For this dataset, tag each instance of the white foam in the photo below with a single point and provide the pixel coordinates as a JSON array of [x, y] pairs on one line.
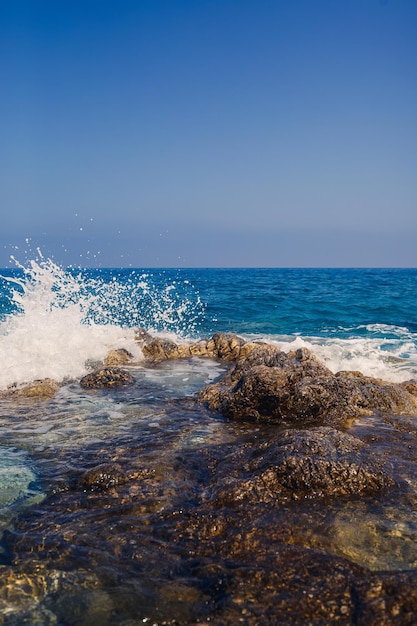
[[392, 359], [49, 336]]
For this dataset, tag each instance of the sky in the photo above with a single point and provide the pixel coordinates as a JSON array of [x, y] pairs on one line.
[[209, 133]]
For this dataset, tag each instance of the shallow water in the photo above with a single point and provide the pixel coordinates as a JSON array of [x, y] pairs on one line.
[[146, 547]]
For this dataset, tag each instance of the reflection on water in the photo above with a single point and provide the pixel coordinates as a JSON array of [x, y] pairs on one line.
[[117, 530]]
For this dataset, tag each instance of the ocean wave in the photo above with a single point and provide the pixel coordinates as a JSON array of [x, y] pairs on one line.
[[60, 320], [392, 359]]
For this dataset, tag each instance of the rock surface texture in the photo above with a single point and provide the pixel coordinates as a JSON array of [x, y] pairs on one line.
[[268, 385], [107, 377], [312, 463]]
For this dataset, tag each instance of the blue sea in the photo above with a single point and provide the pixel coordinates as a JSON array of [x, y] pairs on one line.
[[60, 323]]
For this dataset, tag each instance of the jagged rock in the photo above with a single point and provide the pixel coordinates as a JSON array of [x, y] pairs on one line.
[[379, 395], [410, 386], [118, 357], [223, 346], [160, 349], [107, 377], [295, 387], [313, 463], [199, 349], [252, 354], [41, 389], [267, 384]]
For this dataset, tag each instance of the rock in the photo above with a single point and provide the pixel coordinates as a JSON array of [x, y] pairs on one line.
[[374, 394], [160, 349], [40, 389], [252, 354], [224, 346], [101, 477], [410, 386], [142, 336], [273, 386], [118, 357], [107, 377], [199, 349], [276, 387], [314, 463]]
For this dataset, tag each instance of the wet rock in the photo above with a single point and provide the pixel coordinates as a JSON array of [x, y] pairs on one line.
[[267, 384], [84, 607], [374, 394], [118, 357], [314, 463], [223, 346], [387, 598], [41, 389], [295, 387], [101, 477], [253, 354], [199, 348], [276, 387], [107, 377], [160, 349], [410, 386]]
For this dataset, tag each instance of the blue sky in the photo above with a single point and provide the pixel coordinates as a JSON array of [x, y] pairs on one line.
[[210, 132]]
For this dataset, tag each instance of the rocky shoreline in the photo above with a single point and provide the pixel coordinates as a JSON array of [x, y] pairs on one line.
[[229, 511]]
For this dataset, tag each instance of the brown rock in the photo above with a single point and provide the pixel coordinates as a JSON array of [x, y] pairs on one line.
[[318, 462], [270, 385], [160, 349], [118, 357], [225, 346], [41, 389], [107, 377]]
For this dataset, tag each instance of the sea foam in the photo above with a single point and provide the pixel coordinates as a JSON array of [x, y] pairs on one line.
[[52, 332], [393, 359]]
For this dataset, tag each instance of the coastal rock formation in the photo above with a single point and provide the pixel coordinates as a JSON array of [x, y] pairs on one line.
[[107, 377], [223, 346], [269, 385], [313, 463]]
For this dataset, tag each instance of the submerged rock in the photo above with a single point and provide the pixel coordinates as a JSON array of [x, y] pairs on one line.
[[313, 463], [107, 377], [101, 477]]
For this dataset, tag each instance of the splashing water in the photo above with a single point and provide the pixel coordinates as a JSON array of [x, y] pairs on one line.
[[59, 320]]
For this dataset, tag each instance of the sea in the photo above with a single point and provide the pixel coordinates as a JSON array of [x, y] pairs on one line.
[[60, 322]]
